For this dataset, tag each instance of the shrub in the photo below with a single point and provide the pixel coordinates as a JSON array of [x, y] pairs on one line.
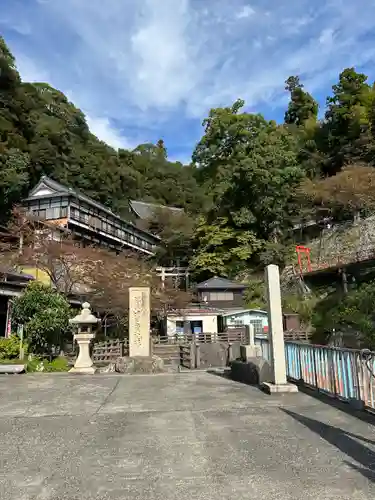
[[45, 315], [9, 347], [59, 364], [353, 312]]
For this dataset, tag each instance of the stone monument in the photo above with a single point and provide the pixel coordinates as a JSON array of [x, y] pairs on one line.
[[251, 368], [139, 322], [250, 350], [276, 334], [84, 321], [140, 359]]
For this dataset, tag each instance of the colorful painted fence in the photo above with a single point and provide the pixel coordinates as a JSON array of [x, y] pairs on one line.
[[346, 374]]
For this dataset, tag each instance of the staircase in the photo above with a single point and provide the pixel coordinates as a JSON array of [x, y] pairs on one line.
[[169, 353]]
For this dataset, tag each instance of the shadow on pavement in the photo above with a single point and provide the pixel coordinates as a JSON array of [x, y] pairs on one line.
[[344, 441], [343, 406]]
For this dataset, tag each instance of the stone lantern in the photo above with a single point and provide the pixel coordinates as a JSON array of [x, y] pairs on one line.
[[84, 321]]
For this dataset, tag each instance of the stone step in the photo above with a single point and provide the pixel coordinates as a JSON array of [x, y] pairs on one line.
[[9, 369]]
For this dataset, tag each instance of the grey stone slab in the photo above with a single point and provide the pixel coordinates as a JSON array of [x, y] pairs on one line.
[[271, 388], [192, 436], [12, 369]]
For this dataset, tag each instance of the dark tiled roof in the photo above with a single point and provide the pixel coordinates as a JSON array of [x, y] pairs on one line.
[[220, 283], [145, 210], [61, 189]]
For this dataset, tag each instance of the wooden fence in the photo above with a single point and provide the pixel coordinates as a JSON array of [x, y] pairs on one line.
[[109, 350], [230, 336], [301, 336], [187, 356]]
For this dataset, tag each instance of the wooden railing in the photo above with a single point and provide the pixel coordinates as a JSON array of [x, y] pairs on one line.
[[230, 336], [300, 335], [109, 350], [187, 356]]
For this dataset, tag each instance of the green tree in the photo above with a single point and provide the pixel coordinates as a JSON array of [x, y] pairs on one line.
[[221, 249], [352, 313], [176, 231], [14, 165], [249, 165], [45, 315], [347, 121], [255, 294], [302, 106]]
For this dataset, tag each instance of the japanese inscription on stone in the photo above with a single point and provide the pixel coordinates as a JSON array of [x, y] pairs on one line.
[[139, 321]]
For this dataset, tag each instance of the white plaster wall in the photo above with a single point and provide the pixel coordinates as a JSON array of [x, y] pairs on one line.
[[209, 323], [171, 326]]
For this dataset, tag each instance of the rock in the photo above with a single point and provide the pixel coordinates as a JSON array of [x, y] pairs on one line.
[[253, 371], [110, 368], [149, 364]]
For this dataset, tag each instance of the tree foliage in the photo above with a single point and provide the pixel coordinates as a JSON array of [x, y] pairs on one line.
[[249, 167], [45, 314], [352, 189], [353, 314], [302, 106]]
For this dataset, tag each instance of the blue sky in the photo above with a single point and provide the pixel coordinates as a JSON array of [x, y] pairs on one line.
[[148, 69]]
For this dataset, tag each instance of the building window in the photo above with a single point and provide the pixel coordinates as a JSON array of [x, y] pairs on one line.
[[41, 213], [179, 327], [56, 213], [74, 213], [218, 296], [258, 325]]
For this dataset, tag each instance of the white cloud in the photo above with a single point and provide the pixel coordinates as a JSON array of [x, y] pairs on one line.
[[326, 36], [30, 71], [245, 12], [157, 65], [162, 57], [102, 128]]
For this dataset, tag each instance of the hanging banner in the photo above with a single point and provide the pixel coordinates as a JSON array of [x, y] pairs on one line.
[[8, 330]]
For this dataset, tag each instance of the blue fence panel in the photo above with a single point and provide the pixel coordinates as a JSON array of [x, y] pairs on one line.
[[341, 373], [262, 340]]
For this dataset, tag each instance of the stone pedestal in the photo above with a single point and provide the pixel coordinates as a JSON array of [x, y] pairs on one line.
[[253, 371], [250, 350], [276, 334], [84, 363], [139, 322]]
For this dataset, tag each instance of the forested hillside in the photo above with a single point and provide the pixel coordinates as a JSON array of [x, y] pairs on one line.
[[249, 182], [41, 132]]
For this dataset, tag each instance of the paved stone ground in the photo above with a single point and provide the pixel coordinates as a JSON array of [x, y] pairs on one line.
[[179, 436]]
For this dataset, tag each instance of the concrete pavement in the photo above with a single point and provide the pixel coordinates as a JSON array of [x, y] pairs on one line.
[[190, 435]]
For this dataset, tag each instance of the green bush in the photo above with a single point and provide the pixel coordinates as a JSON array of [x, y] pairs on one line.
[[45, 313], [352, 312], [9, 347], [59, 364]]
